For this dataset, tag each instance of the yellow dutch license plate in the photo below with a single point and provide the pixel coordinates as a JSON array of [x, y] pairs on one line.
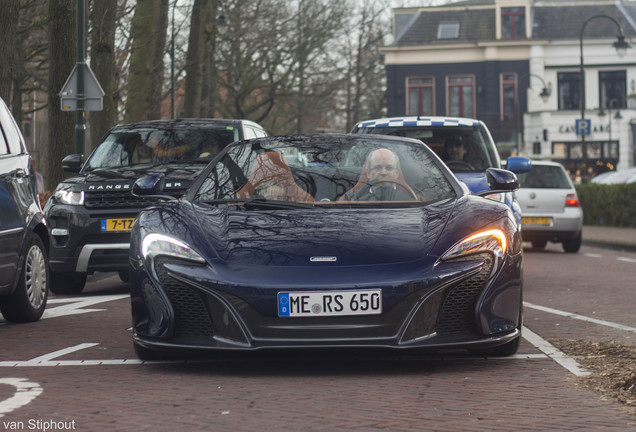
[[122, 224], [529, 220]]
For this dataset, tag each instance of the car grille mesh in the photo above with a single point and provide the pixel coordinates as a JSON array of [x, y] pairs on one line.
[[192, 318], [458, 310], [122, 199]]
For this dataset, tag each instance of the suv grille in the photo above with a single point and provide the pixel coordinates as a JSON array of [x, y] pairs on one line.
[[123, 199]]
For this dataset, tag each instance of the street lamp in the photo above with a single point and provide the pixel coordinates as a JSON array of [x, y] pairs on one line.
[[621, 49], [545, 95], [611, 103]]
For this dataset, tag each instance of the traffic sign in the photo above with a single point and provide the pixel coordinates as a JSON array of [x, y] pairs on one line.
[[93, 93], [583, 126]]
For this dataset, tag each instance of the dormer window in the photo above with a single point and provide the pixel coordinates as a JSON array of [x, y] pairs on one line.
[[513, 23], [448, 31]]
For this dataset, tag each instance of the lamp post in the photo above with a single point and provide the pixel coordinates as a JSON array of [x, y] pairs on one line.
[[621, 48], [617, 116], [545, 95]]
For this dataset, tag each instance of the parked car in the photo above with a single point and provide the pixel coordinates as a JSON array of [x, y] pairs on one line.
[[329, 240], [23, 236], [616, 177], [550, 207], [91, 213], [464, 144]]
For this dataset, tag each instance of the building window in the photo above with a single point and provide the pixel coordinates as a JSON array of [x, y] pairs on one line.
[[612, 87], [420, 95], [569, 90], [461, 96], [536, 147], [448, 31], [508, 96], [513, 23]]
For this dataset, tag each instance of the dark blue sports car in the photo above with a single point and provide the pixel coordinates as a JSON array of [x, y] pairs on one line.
[[327, 240]]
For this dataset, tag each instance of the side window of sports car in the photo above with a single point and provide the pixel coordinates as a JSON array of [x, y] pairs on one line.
[[219, 184]]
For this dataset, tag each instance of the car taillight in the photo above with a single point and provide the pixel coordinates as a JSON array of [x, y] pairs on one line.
[[571, 200]]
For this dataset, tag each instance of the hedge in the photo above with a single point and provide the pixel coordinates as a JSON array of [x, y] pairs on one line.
[[608, 205]]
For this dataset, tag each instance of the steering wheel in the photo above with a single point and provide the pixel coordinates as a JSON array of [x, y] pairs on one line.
[[386, 190], [459, 164]]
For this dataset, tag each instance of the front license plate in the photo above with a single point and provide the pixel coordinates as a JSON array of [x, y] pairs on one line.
[[329, 303], [536, 220], [123, 224]]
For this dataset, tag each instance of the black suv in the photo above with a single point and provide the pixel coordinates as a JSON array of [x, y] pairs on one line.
[[23, 235], [90, 214]]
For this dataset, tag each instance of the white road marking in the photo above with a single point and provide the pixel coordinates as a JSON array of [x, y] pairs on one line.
[[25, 392], [59, 353], [580, 317], [625, 259], [552, 352], [593, 255], [76, 305]]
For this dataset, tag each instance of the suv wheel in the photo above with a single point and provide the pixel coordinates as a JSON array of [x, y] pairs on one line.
[[67, 283], [28, 301]]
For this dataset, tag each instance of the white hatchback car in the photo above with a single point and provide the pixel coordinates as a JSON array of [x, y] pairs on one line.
[[550, 209]]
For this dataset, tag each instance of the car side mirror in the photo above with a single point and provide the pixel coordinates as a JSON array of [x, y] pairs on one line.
[[500, 180], [519, 164], [72, 163], [151, 185]]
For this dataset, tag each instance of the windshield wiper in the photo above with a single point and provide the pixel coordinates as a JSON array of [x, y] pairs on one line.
[[258, 201]]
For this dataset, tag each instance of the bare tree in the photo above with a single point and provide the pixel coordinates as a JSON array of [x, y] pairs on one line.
[[103, 16], [62, 45], [9, 13], [195, 59], [145, 75], [364, 73]]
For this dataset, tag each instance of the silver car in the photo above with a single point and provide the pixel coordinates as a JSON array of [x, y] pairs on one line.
[[550, 209]]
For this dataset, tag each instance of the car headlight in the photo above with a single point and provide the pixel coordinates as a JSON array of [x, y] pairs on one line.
[[154, 245], [69, 197], [491, 240]]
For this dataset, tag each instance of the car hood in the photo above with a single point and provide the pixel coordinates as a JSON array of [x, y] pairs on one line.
[[319, 237], [126, 176]]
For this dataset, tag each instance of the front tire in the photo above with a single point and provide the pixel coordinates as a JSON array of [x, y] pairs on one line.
[[67, 283], [28, 301]]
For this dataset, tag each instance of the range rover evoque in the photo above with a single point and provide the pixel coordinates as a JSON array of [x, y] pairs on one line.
[[91, 213]]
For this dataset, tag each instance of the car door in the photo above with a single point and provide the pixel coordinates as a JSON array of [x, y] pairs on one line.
[[14, 196]]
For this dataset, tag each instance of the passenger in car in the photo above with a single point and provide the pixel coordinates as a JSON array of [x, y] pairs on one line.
[[271, 178]]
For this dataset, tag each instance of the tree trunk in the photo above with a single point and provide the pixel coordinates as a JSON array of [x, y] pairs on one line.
[[194, 61], [148, 31], [9, 13], [103, 20], [62, 45], [156, 71]]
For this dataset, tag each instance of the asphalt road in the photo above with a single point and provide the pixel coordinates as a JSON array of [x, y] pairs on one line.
[[76, 369]]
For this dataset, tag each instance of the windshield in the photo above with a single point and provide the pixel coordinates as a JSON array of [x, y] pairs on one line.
[[545, 177], [122, 148], [462, 148], [326, 169]]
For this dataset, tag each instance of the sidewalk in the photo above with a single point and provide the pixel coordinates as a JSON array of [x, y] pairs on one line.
[[610, 237]]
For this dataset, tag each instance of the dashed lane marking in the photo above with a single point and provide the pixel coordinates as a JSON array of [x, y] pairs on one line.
[[579, 317], [625, 259]]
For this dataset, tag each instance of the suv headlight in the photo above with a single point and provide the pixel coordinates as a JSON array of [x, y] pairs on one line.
[[69, 197]]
